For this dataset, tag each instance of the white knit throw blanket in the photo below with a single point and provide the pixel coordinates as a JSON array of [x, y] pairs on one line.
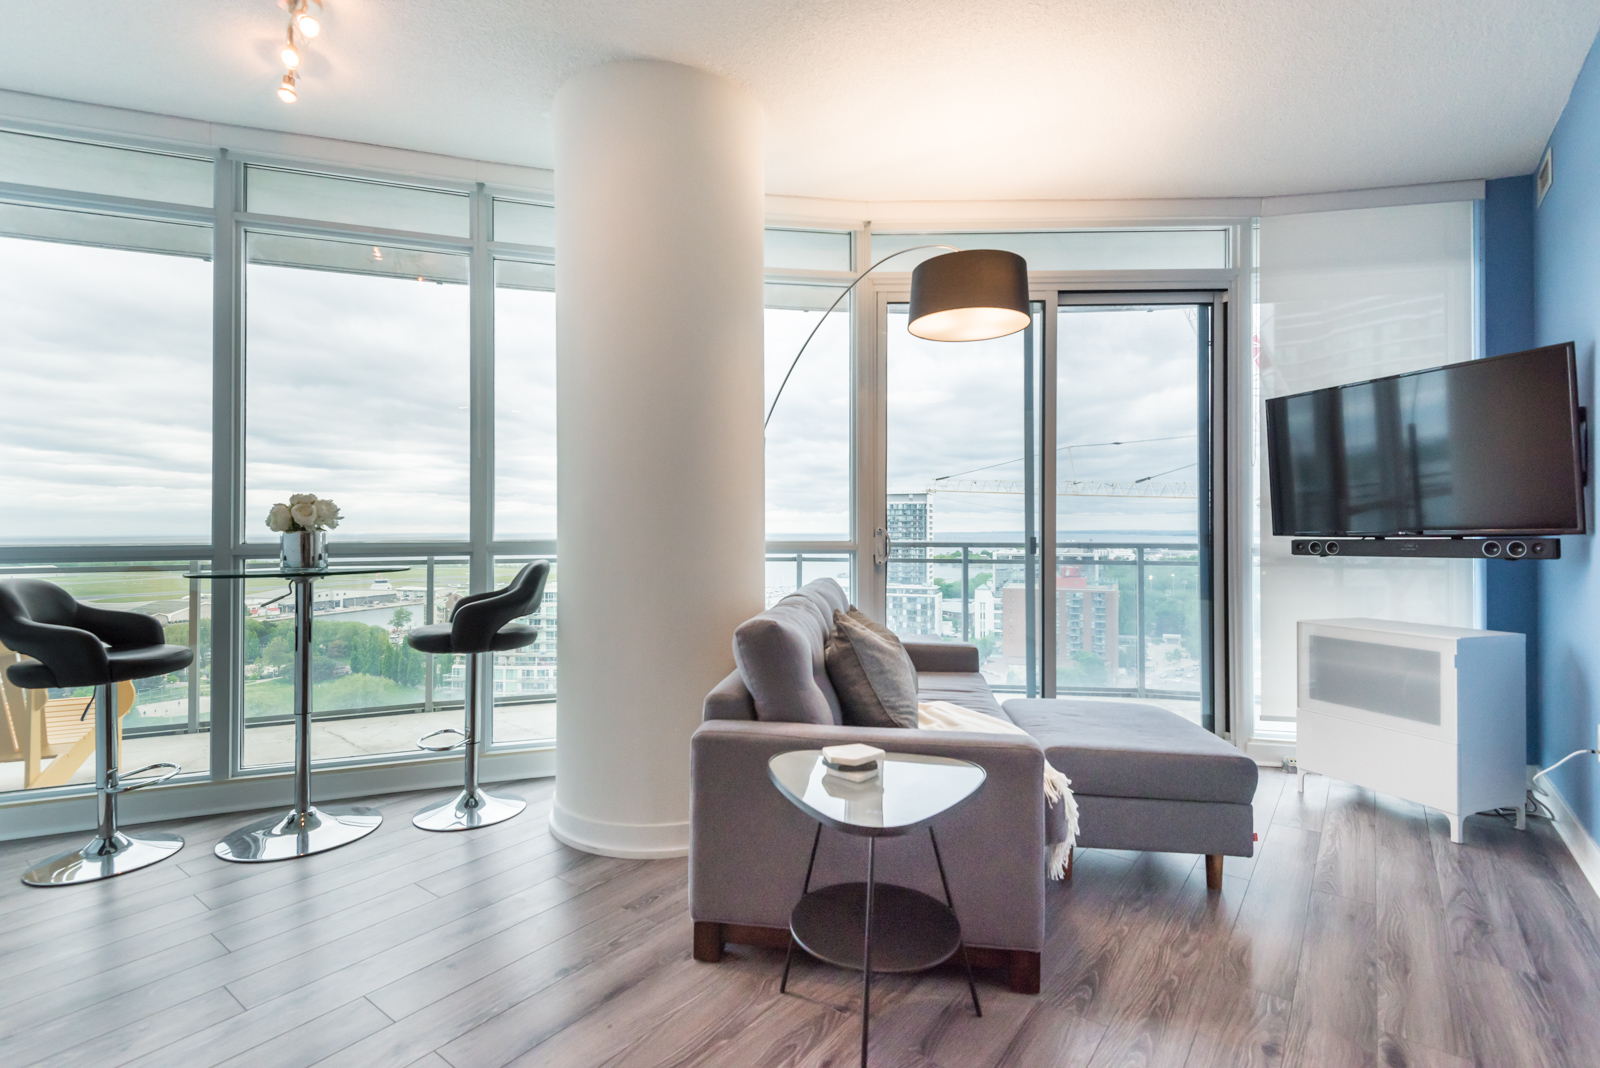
[[944, 716]]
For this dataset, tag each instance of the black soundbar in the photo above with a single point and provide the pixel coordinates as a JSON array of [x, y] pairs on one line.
[[1452, 548]]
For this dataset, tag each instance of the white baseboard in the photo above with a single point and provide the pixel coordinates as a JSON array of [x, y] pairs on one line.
[[1269, 752], [1579, 842], [630, 841]]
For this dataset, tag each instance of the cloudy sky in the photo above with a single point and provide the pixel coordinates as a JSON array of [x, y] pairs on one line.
[[105, 371], [357, 389]]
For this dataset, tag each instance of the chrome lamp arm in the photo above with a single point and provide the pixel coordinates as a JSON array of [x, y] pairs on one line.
[[843, 293]]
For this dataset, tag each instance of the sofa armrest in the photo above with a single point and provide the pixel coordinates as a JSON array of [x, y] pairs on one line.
[[748, 845], [730, 699], [943, 656]]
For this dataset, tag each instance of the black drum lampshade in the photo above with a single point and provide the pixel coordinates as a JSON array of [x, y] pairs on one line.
[[969, 296]]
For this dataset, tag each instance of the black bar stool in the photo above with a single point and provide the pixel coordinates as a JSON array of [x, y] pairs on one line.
[[480, 626], [75, 644]]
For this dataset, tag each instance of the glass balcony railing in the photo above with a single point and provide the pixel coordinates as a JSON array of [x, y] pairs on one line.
[[787, 572], [1127, 613], [372, 694]]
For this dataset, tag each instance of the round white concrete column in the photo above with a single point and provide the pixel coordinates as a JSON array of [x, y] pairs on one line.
[[659, 213]]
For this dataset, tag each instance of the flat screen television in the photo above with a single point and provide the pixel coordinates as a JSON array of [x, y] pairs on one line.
[[1487, 447]]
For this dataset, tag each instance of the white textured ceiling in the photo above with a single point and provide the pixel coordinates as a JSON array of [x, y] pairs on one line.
[[873, 100]]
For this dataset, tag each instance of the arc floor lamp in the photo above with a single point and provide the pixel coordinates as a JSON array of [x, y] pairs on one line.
[[971, 295]]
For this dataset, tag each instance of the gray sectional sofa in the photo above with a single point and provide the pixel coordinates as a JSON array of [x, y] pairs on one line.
[[1143, 777]]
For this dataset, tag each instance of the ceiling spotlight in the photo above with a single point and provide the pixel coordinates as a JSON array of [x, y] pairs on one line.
[[286, 90], [307, 22], [290, 54]]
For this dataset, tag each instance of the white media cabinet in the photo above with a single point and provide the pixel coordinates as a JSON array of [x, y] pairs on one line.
[[1434, 715]]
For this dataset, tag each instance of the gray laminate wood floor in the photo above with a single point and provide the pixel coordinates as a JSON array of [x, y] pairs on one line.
[[1356, 936]]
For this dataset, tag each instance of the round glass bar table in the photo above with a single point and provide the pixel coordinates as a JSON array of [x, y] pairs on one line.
[[306, 828], [872, 926]]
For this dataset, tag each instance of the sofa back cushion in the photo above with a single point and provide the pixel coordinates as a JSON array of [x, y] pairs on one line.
[[871, 672], [779, 653]]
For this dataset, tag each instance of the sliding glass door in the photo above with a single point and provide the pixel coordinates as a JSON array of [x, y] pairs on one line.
[[962, 496], [1048, 497], [1129, 606]]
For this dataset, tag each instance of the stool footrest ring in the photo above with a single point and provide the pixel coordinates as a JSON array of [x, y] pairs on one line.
[[124, 786], [461, 740]]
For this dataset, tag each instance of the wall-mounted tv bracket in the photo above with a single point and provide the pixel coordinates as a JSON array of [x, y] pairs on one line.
[[1509, 548]]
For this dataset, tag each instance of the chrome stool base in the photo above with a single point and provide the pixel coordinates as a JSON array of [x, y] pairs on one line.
[[298, 834], [101, 859], [465, 811]]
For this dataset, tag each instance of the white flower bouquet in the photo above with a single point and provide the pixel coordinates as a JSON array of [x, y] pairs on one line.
[[304, 512]]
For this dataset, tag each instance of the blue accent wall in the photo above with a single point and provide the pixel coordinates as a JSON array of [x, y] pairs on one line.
[[1566, 290], [1511, 589]]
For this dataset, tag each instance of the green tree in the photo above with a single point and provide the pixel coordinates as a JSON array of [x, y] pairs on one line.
[[278, 653], [1081, 669], [401, 619]]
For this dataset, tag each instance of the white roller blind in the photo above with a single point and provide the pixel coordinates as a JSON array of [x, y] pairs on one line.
[[1346, 296]]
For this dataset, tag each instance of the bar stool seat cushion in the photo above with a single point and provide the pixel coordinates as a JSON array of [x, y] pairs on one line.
[[437, 638], [122, 664]]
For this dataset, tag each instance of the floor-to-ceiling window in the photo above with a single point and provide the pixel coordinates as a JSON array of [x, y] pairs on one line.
[[810, 409], [524, 520], [189, 339], [105, 428], [961, 495], [1131, 455]]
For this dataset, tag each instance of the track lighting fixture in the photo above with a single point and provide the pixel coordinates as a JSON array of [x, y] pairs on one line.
[[290, 54], [305, 21], [293, 53]]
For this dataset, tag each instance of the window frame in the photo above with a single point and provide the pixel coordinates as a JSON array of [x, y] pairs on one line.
[[218, 787]]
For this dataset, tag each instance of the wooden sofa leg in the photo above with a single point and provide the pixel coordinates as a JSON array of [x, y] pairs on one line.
[[1022, 971], [707, 941], [1072, 854], [1213, 871]]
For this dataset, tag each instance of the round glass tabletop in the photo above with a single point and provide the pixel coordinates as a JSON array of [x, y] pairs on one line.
[[278, 572], [909, 790]]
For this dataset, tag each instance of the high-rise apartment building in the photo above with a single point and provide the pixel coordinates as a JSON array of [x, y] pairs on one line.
[[910, 519], [1086, 620]]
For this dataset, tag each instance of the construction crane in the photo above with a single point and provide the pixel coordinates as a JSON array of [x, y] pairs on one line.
[[1072, 486], [1076, 487]]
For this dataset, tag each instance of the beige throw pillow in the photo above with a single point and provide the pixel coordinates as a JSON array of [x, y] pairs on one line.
[[871, 672]]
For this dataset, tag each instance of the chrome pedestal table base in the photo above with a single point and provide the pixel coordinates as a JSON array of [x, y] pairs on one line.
[[305, 829], [465, 811], [111, 851], [299, 834], [101, 859]]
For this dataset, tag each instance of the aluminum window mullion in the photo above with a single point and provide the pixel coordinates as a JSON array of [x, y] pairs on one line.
[[480, 281], [1047, 499], [99, 554], [367, 235], [227, 471], [354, 172], [510, 250], [45, 197]]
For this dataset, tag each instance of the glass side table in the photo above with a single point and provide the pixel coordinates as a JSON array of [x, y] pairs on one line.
[[305, 829], [875, 926]]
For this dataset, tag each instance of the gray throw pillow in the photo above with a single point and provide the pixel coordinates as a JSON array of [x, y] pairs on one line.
[[871, 672]]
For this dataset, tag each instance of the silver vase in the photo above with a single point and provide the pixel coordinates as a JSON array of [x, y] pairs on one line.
[[303, 550]]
